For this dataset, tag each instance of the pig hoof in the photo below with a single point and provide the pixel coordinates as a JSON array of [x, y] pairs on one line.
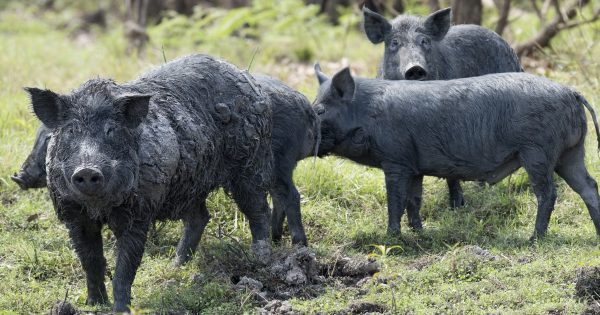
[[97, 300], [276, 239], [299, 241], [121, 309], [262, 252], [179, 261], [416, 226], [394, 232], [536, 237], [457, 202]]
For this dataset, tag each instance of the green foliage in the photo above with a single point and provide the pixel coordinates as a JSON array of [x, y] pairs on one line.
[[268, 24]]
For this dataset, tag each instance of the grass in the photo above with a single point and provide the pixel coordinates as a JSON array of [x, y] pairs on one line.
[[343, 204]]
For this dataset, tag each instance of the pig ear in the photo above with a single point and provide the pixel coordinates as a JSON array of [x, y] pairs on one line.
[[46, 106], [320, 75], [376, 26], [342, 85], [438, 23], [134, 108]]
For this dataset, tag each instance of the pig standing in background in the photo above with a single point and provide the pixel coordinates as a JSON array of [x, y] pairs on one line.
[[33, 172], [295, 136], [430, 49], [482, 128], [127, 155]]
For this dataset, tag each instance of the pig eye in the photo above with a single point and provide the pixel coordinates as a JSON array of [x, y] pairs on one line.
[[424, 41], [394, 43]]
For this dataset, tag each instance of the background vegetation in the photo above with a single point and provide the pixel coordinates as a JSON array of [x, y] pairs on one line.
[[434, 271]]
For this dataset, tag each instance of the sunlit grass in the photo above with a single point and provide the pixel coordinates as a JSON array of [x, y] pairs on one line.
[[344, 205]]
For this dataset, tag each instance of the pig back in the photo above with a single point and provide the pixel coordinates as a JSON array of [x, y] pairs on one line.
[[488, 117], [472, 50], [295, 124], [185, 151]]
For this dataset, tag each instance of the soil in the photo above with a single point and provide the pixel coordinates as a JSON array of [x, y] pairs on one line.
[[587, 284], [273, 277]]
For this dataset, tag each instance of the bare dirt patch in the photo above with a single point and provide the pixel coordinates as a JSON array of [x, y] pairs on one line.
[[291, 272], [587, 284], [284, 274]]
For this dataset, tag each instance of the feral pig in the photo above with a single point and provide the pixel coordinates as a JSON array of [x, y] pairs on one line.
[[429, 48], [482, 128], [33, 172], [295, 134], [125, 155]]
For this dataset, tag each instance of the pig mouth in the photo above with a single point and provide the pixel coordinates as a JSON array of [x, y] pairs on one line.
[[326, 143], [28, 181]]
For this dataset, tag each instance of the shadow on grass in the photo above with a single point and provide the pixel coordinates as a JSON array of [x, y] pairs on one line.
[[500, 230]]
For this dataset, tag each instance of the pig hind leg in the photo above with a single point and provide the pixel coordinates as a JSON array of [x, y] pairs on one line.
[[539, 169], [252, 201], [254, 206], [572, 169], [193, 227], [413, 203], [455, 193], [286, 202]]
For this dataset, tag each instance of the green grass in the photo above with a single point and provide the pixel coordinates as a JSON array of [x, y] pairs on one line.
[[343, 204]]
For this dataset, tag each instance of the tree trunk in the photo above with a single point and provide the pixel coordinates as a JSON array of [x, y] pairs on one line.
[[434, 5], [329, 7], [560, 22], [466, 12], [135, 25], [385, 7], [503, 11]]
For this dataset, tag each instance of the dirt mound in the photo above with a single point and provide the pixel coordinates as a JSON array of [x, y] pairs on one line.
[[479, 252], [63, 308], [361, 308], [290, 272], [271, 278], [278, 307], [296, 272], [593, 308], [587, 284]]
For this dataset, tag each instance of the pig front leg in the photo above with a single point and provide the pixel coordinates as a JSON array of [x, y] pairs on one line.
[[413, 206], [397, 184], [130, 249], [86, 238]]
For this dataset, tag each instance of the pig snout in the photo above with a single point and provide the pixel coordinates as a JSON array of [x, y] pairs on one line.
[[88, 180], [415, 72]]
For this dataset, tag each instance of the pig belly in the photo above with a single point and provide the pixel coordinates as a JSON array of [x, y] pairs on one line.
[[491, 173]]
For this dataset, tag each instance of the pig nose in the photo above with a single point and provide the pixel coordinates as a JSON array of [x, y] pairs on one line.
[[415, 73], [88, 180]]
